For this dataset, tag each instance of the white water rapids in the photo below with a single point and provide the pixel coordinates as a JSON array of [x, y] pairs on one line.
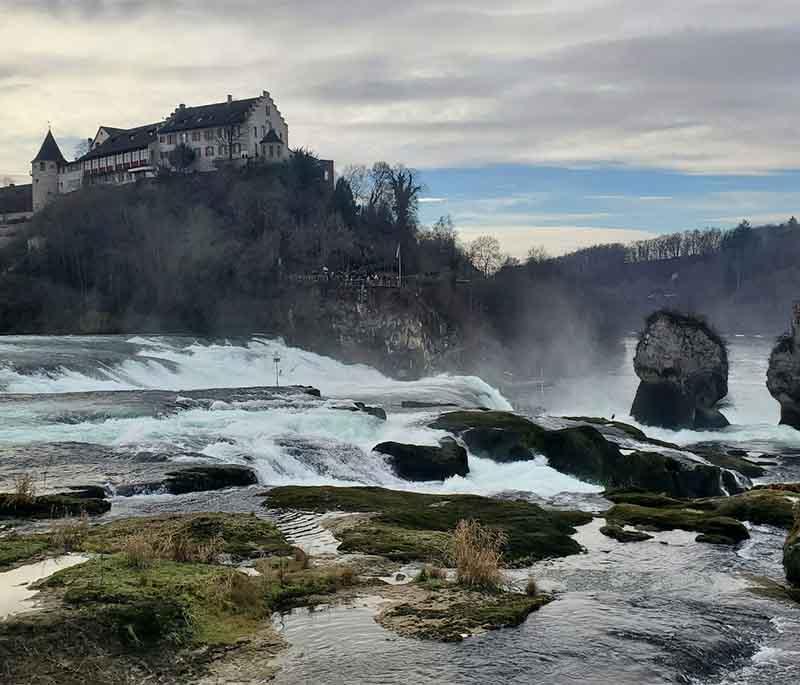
[[286, 442]]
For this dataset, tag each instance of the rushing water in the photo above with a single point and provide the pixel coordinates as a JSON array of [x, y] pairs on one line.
[[668, 610]]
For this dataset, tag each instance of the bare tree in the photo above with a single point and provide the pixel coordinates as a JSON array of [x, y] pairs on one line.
[[227, 137], [405, 194], [7, 181], [537, 254], [82, 148], [485, 254], [181, 158], [358, 176]]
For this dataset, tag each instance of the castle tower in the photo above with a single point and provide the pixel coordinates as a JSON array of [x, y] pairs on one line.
[[44, 172]]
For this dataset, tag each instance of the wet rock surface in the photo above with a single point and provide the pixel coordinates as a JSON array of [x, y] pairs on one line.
[[683, 367], [783, 374], [194, 479], [426, 462], [584, 452], [791, 554]]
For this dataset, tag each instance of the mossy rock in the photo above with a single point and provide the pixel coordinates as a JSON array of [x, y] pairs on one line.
[[791, 554], [244, 536], [619, 534], [409, 525], [585, 453], [52, 506], [449, 614], [727, 458], [19, 548], [683, 519]]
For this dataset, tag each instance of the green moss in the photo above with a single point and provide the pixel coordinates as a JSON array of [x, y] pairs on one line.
[[405, 523], [791, 554], [643, 499], [631, 431], [683, 519], [619, 534], [244, 536], [19, 548], [760, 506], [771, 507], [449, 614], [51, 506], [523, 431]]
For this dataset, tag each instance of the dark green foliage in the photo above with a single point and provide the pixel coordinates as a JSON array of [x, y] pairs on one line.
[[411, 525]]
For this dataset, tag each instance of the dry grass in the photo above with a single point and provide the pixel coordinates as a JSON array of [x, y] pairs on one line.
[[531, 587], [477, 554], [429, 573], [69, 533], [301, 557], [24, 489], [141, 549]]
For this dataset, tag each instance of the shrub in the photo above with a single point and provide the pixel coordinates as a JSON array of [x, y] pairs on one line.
[[139, 550], [477, 553], [531, 587], [69, 533], [24, 489]]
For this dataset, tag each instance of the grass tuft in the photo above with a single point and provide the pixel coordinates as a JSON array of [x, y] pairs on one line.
[[477, 552]]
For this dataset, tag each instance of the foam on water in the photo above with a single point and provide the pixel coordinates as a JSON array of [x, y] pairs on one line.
[[287, 443]]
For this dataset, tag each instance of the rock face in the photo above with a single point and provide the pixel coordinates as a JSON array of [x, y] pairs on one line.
[[791, 554], [783, 373], [425, 462], [683, 366], [584, 452]]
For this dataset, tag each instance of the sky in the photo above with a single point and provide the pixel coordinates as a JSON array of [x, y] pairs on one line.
[[559, 123]]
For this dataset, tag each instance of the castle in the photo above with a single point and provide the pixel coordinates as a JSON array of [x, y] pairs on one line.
[[197, 138]]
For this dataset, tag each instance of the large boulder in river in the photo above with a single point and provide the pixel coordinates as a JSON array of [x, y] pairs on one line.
[[584, 452], [426, 462], [683, 366], [783, 373]]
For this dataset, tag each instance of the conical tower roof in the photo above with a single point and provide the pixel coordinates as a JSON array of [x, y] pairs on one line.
[[50, 152]]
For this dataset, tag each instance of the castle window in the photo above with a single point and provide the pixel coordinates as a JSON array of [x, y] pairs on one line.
[[271, 151], [171, 139], [162, 139], [255, 131], [210, 151], [195, 135], [209, 134], [41, 166]]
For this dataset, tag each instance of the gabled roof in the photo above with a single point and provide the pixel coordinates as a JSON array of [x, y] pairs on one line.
[[208, 116], [50, 152], [124, 140], [272, 137], [16, 199]]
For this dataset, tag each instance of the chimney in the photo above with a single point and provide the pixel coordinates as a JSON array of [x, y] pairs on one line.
[[89, 141], [265, 94], [181, 106], [230, 98]]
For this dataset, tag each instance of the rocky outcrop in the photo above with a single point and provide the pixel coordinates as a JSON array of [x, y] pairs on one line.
[[584, 452], [791, 554], [783, 373], [683, 367], [195, 479], [426, 462], [74, 503]]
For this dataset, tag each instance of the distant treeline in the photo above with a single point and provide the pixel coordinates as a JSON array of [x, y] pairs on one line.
[[228, 252]]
